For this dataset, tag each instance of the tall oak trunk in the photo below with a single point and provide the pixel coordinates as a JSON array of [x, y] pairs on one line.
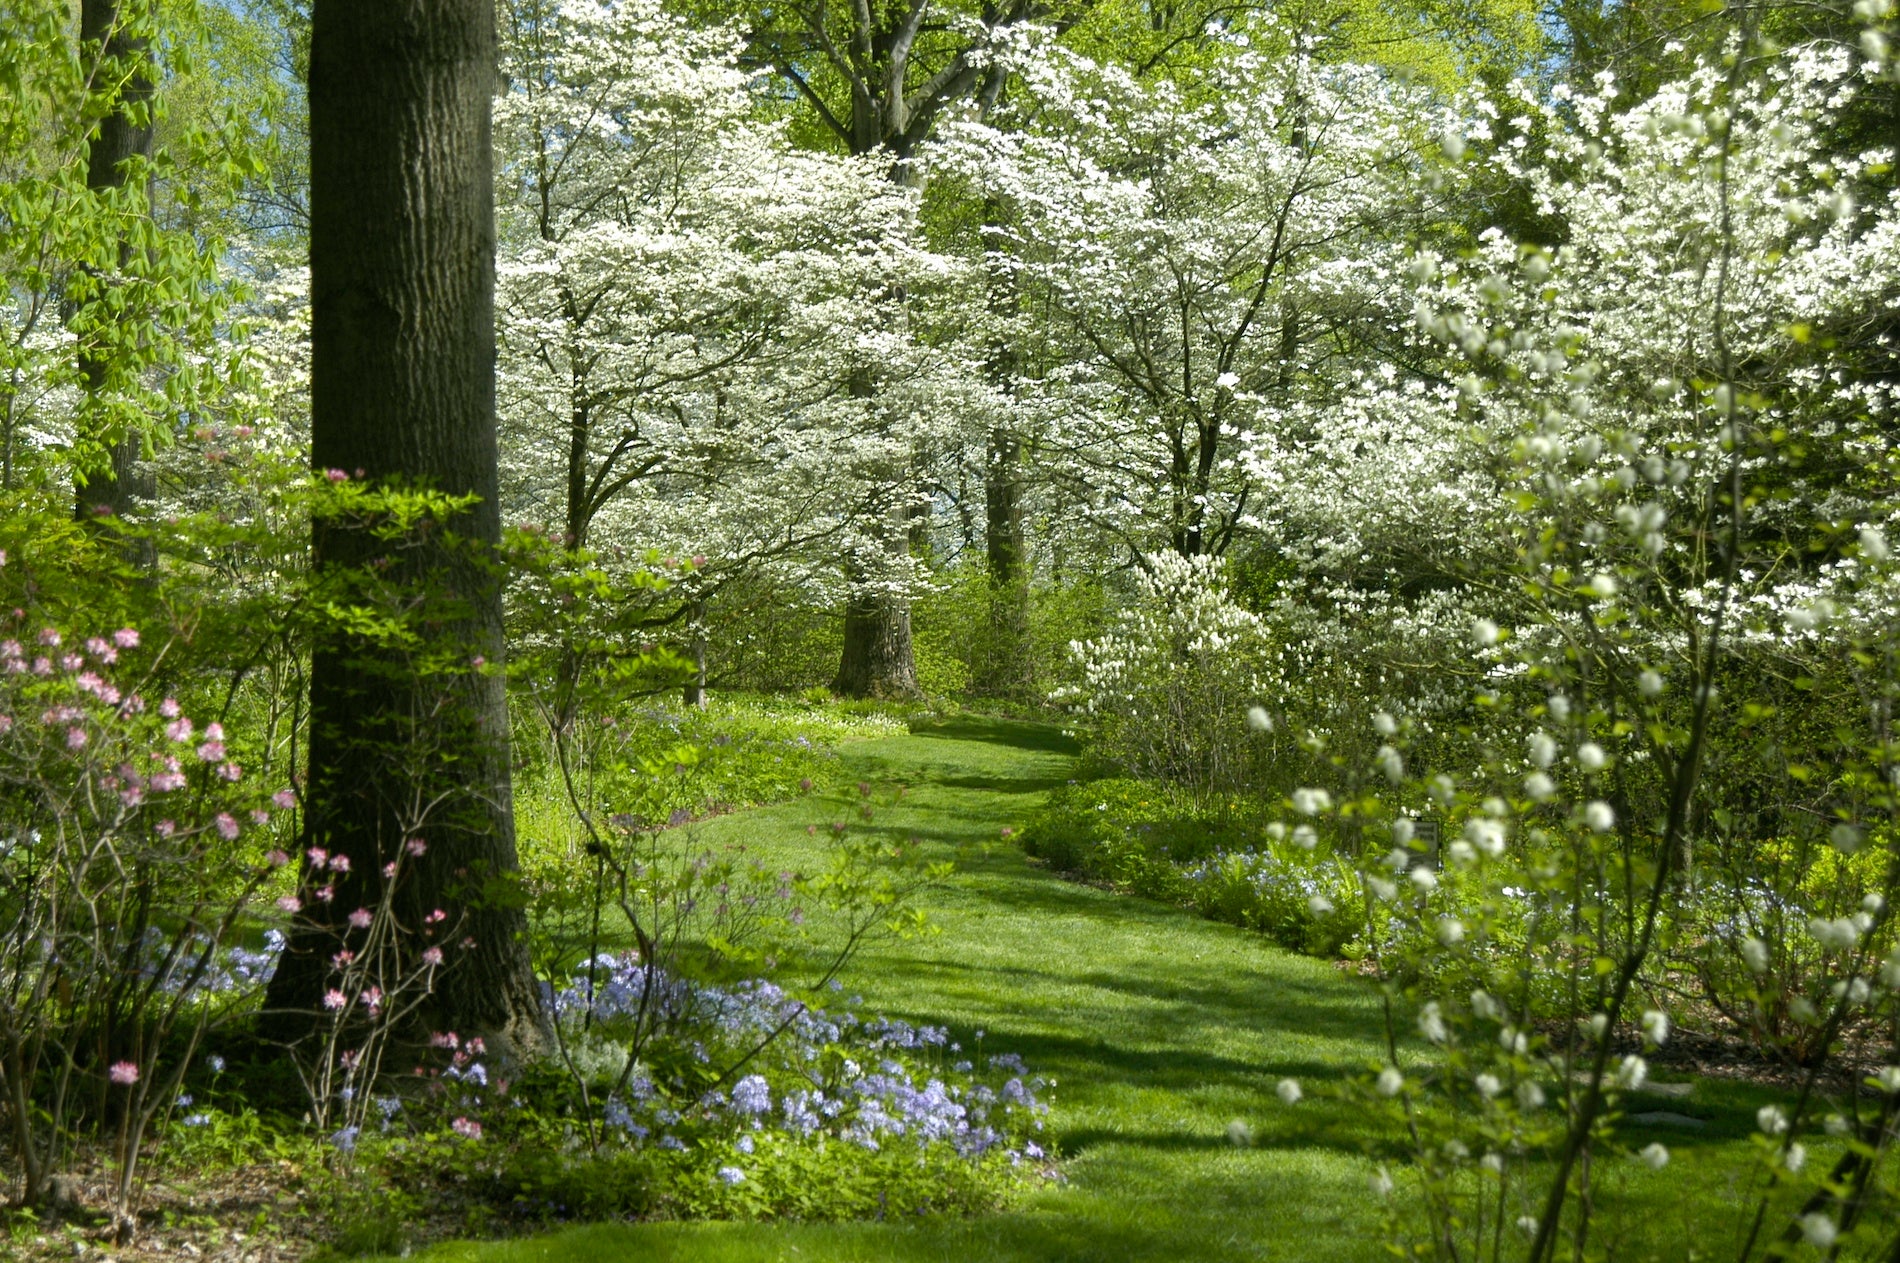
[[403, 392]]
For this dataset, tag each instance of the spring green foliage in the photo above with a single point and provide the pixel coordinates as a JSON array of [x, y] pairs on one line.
[[1159, 1029], [127, 278], [738, 752]]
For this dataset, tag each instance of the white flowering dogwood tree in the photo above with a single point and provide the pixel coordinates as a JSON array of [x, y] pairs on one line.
[[718, 333], [1196, 266]]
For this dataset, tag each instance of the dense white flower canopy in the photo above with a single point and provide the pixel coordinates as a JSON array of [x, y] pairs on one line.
[[710, 337]]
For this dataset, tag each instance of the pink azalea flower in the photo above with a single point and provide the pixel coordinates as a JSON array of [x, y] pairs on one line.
[[361, 918], [339, 863], [6, 724], [232, 771], [49, 636], [285, 798], [467, 1128], [389, 870], [432, 957], [169, 708], [334, 999], [290, 903], [76, 738], [71, 662], [336, 475], [126, 638], [415, 846], [123, 1072], [165, 828], [211, 751], [277, 859], [227, 827], [259, 816], [434, 917], [318, 856], [178, 729], [326, 893]]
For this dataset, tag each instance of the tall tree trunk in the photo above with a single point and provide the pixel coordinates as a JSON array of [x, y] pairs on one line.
[[881, 117], [877, 660], [693, 693], [1006, 667], [402, 264], [110, 489]]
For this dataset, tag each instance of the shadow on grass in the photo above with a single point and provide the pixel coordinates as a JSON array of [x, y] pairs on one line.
[[1004, 784], [1011, 1238], [1020, 734]]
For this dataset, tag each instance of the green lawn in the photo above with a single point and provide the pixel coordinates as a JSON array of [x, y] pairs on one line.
[[1159, 1029]]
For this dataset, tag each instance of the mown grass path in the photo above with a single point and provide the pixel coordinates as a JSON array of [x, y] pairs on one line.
[[1159, 1028]]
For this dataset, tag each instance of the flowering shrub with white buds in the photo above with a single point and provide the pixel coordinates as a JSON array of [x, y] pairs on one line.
[[1675, 784], [1162, 691]]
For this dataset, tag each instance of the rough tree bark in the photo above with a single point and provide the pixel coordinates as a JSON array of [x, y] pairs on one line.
[[402, 262], [112, 488], [877, 660]]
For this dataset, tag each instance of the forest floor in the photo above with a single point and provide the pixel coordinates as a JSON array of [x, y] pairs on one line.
[[1159, 1029]]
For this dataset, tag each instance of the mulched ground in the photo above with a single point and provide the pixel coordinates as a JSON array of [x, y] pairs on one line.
[[266, 1212], [250, 1214]]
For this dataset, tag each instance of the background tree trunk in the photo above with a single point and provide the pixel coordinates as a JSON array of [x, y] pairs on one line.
[[112, 488], [1006, 667], [693, 693], [877, 659], [402, 250]]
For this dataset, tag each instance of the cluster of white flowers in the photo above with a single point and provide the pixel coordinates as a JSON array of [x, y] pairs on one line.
[[1169, 685], [733, 341]]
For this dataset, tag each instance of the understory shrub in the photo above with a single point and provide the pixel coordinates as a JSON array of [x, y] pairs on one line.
[[1163, 693], [130, 864], [1003, 644], [662, 764], [1166, 843]]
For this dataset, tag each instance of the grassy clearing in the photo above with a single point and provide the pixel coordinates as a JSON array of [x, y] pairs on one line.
[[1159, 1028]]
